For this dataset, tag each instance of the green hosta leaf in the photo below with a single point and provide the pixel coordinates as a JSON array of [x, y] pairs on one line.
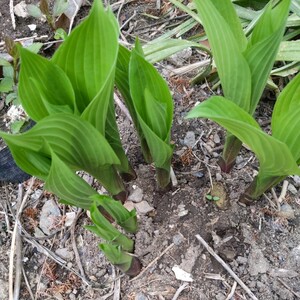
[[263, 47], [10, 98], [43, 88], [126, 219], [122, 83], [274, 156], [60, 34], [63, 182], [16, 126], [104, 229], [285, 118], [154, 117], [4, 62], [160, 50], [88, 57], [74, 140], [227, 46], [59, 7], [117, 257], [289, 51], [34, 11], [8, 71], [32, 162], [35, 47], [6, 85], [295, 7]]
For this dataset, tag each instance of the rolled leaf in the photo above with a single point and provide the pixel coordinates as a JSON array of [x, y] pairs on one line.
[[117, 257], [153, 105], [104, 229], [126, 219]]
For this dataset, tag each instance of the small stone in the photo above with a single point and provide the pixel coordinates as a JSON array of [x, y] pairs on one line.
[[183, 213], [178, 239], [217, 138], [136, 195], [69, 265], [143, 207], [296, 179], [38, 233], [292, 189], [20, 10], [49, 216], [65, 253], [257, 262], [129, 205], [198, 174], [219, 177], [286, 211], [36, 195], [70, 216], [140, 296], [189, 139], [241, 260]]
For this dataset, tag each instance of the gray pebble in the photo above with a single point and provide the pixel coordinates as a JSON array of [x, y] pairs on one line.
[[190, 139], [292, 189], [177, 239]]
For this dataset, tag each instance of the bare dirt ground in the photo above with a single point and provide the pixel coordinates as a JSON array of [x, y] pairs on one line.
[[259, 243]]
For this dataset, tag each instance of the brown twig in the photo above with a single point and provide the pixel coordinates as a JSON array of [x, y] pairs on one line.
[[226, 267]]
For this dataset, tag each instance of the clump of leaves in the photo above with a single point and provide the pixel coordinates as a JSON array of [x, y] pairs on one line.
[[243, 64], [279, 154], [150, 104], [70, 97]]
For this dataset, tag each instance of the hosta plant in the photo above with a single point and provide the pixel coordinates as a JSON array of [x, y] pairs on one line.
[[279, 153], [150, 103], [243, 64], [70, 97]]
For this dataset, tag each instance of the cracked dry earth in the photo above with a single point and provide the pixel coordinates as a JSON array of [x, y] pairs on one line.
[[259, 243]]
